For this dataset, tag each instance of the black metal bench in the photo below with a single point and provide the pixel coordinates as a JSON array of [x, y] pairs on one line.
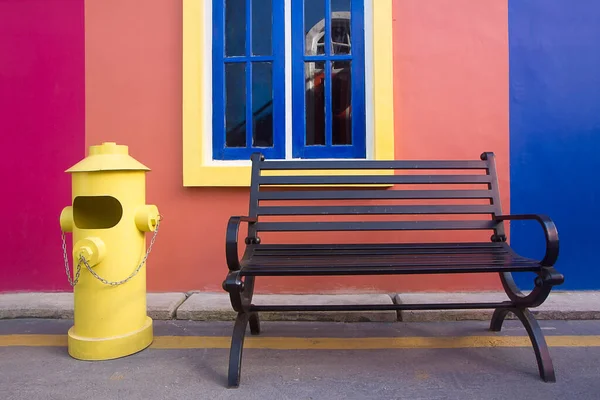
[[467, 199]]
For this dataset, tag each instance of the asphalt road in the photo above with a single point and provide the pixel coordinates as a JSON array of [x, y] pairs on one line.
[[488, 372]]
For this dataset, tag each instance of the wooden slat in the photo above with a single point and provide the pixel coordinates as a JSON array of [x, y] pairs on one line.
[[375, 210], [369, 164], [373, 226], [375, 194], [374, 179]]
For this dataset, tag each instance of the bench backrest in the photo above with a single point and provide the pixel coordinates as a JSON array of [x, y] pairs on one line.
[[282, 190]]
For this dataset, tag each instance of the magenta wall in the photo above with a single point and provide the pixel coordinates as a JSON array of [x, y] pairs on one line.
[[42, 133]]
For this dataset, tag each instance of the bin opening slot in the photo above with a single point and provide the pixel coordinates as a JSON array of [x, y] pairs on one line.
[[96, 212]]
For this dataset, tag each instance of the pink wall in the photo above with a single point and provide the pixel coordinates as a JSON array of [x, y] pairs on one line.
[[42, 119]]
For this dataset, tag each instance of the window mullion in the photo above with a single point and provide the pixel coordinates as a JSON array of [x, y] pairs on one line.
[[327, 28], [328, 105], [328, 77], [288, 135], [249, 104], [249, 117]]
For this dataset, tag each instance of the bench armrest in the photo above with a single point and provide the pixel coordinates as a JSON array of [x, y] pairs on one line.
[[550, 232], [231, 241]]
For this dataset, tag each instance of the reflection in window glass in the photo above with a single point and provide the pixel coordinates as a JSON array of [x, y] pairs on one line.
[[315, 103], [340, 27], [314, 27], [262, 22], [341, 103], [235, 105], [235, 27], [262, 104]]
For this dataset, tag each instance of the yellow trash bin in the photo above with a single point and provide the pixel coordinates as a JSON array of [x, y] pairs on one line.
[[109, 219]]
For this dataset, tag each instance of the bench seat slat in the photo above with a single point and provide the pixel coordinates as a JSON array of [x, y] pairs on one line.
[[384, 270], [371, 259], [309, 252], [375, 194], [310, 262], [352, 259], [372, 179], [373, 226]]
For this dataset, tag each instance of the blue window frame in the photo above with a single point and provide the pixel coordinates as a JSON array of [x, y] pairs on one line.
[[328, 79], [248, 79]]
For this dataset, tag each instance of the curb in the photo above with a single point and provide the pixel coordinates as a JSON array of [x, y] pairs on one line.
[[217, 307], [210, 306]]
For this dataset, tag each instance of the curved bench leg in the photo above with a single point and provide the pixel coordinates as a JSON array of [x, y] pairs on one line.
[[498, 319], [542, 354], [539, 344], [254, 323], [237, 347]]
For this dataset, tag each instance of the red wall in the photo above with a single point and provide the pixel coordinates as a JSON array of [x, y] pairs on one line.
[[42, 116]]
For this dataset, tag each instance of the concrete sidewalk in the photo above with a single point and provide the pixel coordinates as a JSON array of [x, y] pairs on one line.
[[202, 306]]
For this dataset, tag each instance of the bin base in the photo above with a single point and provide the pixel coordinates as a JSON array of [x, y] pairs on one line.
[[94, 349]]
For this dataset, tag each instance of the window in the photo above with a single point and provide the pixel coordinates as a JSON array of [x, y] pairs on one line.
[[248, 79], [328, 63], [245, 98], [328, 75]]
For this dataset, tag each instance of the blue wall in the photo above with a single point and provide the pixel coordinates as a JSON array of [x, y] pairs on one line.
[[555, 130]]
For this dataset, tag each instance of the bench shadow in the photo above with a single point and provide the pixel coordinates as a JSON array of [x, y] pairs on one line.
[[208, 369]]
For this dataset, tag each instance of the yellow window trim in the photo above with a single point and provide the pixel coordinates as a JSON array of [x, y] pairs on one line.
[[197, 172]]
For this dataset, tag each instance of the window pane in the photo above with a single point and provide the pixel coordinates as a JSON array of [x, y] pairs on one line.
[[314, 26], [340, 26], [262, 105], [235, 27], [315, 103], [341, 103], [262, 23], [235, 105]]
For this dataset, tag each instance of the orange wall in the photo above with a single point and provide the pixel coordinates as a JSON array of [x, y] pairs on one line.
[[451, 82], [451, 91]]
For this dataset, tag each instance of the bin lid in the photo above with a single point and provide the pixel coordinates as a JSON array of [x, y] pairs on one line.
[[108, 156]]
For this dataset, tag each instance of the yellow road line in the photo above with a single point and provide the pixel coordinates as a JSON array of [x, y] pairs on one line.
[[296, 343], [33, 340]]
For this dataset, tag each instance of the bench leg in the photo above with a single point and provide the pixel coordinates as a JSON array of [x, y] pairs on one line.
[[498, 319], [237, 346], [254, 323], [535, 334]]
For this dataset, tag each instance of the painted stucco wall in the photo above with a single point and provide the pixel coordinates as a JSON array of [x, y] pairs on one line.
[[41, 134], [65, 86], [452, 93], [555, 129]]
